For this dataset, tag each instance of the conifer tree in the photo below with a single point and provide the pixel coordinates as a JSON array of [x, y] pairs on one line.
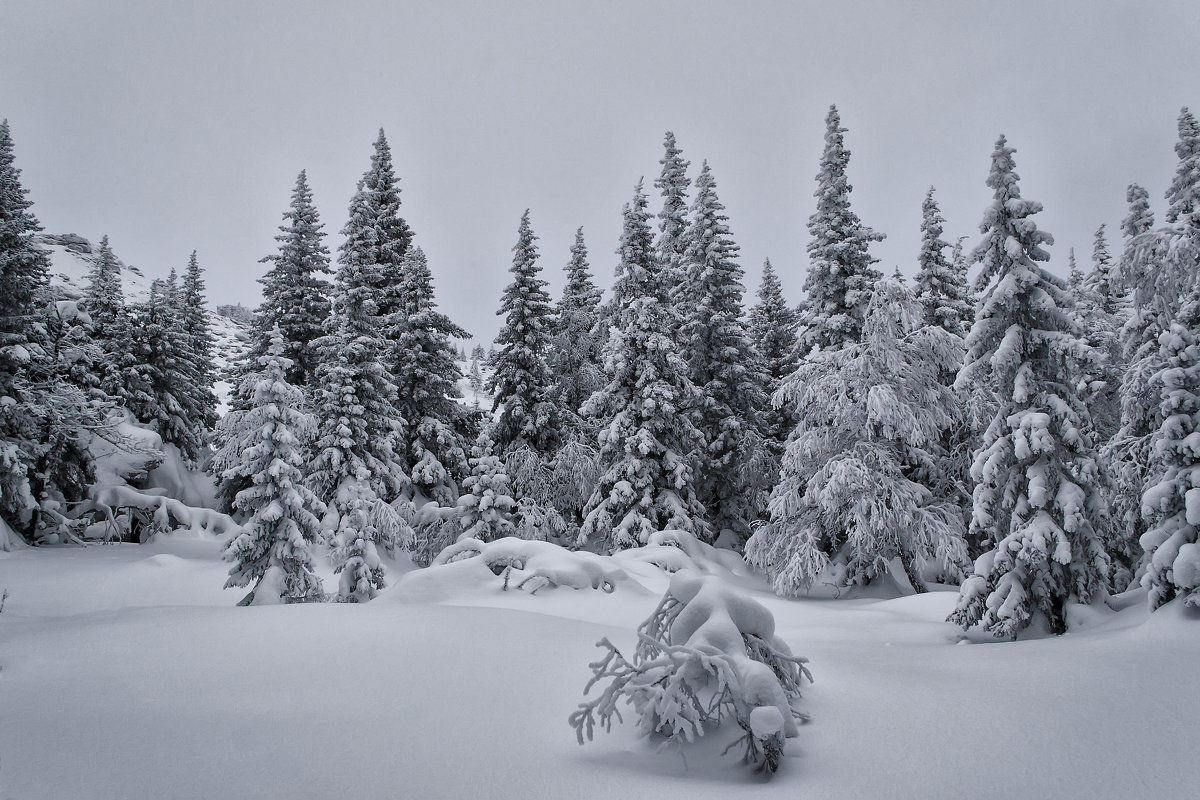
[[577, 344], [724, 367], [274, 550], [103, 299], [1036, 502], [1141, 218], [672, 219], [1172, 560], [1104, 281], [46, 419], [427, 376], [647, 443], [773, 326], [521, 380], [356, 467], [198, 339], [857, 487], [941, 286], [840, 275], [1183, 197], [160, 350], [295, 289], [486, 510]]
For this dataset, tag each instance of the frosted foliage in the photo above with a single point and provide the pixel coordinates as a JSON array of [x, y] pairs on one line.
[[363, 524], [673, 219], [733, 469], [772, 328], [1183, 197], [840, 275], [855, 485], [1036, 503], [705, 657], [282, 524], [646, 442], [577, 344], [295, 288], [1171, 505], [486, 508], [1140, 218], [521, 380], [941, 283]]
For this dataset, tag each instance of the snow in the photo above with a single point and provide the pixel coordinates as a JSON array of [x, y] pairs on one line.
[[126, 671]]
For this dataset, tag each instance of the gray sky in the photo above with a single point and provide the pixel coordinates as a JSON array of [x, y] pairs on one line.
[[178, 126]]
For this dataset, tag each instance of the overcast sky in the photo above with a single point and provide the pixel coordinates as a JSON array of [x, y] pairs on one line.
[[178, 126]]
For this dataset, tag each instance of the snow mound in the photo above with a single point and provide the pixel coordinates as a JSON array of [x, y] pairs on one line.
[[531, 566]]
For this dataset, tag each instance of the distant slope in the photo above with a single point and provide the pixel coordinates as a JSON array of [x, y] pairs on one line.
[[72, 258]]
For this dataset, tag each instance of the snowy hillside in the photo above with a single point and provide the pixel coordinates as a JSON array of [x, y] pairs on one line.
[[71, 259]]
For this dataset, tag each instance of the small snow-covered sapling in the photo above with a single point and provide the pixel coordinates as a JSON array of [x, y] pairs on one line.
[[706, 655]]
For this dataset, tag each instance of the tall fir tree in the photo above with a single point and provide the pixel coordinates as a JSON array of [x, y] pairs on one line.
[[199, 341], [356, 467], [1183, 196], [161, 350], [941, 287], [733, 468], [1140, 218], [647, 442], [274, 549], [577, 343], [1104, 280], [840, 275], [295, 289], [1171, 567], [427, 377], [1036, 504], [671, 244], [521, 381], [118, 375], [773, 326]]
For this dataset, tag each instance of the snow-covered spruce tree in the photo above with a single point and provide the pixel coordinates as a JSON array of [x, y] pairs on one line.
[[1036, 502], [24, 270], [46, 419], [427, 376], [1158, 269], [104, 303], [1140, 218], [772, 328], [201, 401], [734, 469], [577, 344], [840, 275], [295, 289], [486, 509], [358, 424], [1183, 196], [1104, 279], [673, 225], [1099, 312], [706, 655], [381, 238], [647, 443], [521, 380], [1172, 504], [941, 285], [274, 549], [860, 478], [160, 347]]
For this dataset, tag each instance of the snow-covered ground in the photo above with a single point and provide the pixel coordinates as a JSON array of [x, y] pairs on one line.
[[127, 672]]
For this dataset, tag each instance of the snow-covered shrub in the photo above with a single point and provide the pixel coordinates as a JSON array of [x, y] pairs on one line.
[[706, 655]]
